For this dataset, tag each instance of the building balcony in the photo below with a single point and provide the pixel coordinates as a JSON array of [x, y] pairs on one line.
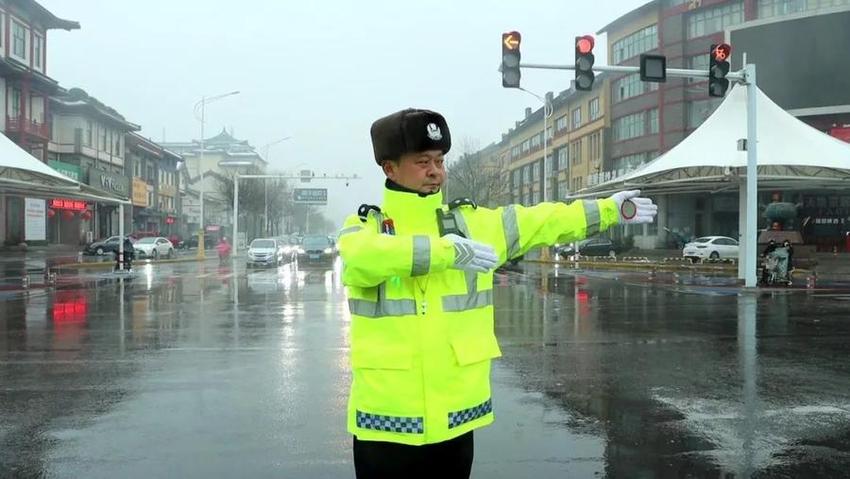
[[31, 127]]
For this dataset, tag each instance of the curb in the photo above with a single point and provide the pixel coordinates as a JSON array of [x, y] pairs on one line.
[[111, 264], [648, 266]]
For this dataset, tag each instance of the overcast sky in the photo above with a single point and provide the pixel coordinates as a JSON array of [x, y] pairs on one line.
[[318, 71]]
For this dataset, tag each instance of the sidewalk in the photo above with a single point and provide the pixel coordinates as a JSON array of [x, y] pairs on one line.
[[831, 267]]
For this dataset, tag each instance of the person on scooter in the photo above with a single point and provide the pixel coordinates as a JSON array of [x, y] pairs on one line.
[[129, 255], [787, 245], [771, 247], [223, 248]]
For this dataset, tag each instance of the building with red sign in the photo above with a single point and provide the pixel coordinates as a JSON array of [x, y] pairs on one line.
[[25, 88], [88, 138], [155, 192]]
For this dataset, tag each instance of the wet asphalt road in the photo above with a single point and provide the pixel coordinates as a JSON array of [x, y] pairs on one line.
[[207, 371]]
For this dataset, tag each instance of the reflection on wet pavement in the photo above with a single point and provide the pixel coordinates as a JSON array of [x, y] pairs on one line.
[[190, 370]]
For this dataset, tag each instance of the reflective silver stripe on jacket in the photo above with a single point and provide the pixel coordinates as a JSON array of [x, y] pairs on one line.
[[421, 255], [473, 299], [464, 302], [349, 230], [379, 217], [509, 223], [471, 276], [591, 216], [382, 307]]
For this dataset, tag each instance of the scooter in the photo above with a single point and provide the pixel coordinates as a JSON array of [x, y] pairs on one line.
[[775, 268], [128, 261]]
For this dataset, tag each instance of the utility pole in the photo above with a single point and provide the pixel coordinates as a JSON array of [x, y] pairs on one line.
[[202, 105]]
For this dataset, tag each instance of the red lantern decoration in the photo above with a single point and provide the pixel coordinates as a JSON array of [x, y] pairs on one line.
[[86, 215], [51, 213]]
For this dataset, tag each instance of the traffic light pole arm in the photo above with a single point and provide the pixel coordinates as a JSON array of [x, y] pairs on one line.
[[671, 72], [293, 177]]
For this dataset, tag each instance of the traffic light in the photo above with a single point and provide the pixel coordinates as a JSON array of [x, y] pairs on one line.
[[718, 67], [584, 62], [510, 59], [653, 68]]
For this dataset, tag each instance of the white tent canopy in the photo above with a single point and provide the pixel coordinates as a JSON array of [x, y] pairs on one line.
[[22, 173], [791, 154]]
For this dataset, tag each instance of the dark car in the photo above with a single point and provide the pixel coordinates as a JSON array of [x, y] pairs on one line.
[[102, 247], [316, 250], [192, 243], [588, 247]]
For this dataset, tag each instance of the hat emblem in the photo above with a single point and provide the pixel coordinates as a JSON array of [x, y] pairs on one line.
[[434, 132]]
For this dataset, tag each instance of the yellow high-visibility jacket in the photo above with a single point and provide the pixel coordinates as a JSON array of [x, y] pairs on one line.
[[422, 333]]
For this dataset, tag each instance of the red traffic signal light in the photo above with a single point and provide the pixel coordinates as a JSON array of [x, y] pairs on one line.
[[585, 44], [718, 68], [721, 52], [584, 63]]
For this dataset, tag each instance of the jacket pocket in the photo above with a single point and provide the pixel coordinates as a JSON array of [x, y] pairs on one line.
[[474, 349], [381, 358]]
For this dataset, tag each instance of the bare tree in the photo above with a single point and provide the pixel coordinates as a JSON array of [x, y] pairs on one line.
[[479, 175], [253, 196], [284, 215]]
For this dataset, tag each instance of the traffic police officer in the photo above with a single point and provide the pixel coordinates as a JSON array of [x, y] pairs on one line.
[[419, 277]]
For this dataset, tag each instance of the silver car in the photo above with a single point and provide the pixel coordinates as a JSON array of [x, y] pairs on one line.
[[265, 252], [154, 247]]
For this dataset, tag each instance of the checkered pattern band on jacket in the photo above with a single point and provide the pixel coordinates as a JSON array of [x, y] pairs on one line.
[[459, 418], [409, 425]]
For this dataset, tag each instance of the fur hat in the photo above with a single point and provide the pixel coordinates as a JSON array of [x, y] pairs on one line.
[[409, 131]]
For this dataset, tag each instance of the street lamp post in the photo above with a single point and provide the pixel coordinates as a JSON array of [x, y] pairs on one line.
[[202, 105], [266, 147], [548, 110]]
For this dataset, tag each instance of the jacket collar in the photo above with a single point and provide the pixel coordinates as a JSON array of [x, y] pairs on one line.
[[399, 201]]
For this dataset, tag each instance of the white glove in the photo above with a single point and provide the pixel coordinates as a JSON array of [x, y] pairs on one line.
[[634, 210], [472, 255]]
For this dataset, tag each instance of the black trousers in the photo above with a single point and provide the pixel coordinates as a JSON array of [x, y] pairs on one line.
[[451, 459]]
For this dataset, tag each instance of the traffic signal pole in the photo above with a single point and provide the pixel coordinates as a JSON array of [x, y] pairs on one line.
[[749, 188], [671, 72], [750, 240]]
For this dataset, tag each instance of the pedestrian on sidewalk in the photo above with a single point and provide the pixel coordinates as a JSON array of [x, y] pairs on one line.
[[419, 277]]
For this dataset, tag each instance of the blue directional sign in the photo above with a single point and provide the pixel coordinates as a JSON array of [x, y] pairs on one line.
[[311, 196]]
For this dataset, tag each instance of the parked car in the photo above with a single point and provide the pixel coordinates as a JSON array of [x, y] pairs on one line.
[[154, 247], [711, 247], [102, 247], [265, 252], [316, 249], [589, 247]]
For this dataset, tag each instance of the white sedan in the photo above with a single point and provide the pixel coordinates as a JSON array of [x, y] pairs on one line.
[[711, 247], [154, 247]]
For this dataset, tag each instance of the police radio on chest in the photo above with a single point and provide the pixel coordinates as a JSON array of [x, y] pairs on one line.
[[447, 223]]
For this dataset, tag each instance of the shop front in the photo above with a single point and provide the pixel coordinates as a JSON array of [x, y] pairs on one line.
[[67, 220], [106, 220]]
